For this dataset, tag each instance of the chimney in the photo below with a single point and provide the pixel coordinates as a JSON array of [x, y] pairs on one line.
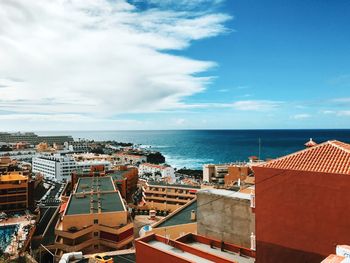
[[193, 215]]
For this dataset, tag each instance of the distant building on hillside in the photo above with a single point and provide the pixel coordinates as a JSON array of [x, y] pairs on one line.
[[157, 171], [32, 138], [302, 204], [227, 175]]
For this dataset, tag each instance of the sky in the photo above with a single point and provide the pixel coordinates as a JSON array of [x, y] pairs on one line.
[[174, 64]]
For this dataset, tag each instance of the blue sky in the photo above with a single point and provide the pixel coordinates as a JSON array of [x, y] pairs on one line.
[[175, 64]]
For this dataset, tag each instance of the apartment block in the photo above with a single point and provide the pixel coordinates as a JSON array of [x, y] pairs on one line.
[[14, 193], [167, 197], [94, 219]]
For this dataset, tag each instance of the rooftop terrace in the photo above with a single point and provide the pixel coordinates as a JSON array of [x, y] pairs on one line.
[[103, 184], [80, 204]]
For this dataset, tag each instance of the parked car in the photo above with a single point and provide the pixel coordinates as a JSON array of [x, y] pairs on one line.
[[102, 258]]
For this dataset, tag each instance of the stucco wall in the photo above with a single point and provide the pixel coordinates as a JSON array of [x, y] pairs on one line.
[[225, 218], [300, 216]]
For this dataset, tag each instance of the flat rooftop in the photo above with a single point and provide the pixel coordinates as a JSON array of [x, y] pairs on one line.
[[181, 217], [164, 247], [234, 257], [80, 204], [86, 184], [225, 193]]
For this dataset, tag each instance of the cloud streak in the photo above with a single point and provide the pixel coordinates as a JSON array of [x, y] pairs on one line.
[[100, 57]]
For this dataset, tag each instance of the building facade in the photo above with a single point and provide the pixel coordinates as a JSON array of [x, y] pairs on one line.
[[166, 197], [14, 192], [157, 171], [302, 204], [94, 219], [61, 167]]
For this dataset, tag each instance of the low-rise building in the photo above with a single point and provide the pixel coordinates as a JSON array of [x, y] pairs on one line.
[[130, 159], [167, 197], [157, 171], [14, 193], [94, 219]]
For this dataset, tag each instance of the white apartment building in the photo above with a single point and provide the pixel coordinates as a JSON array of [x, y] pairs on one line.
[[154, 169], [61, 167], [130, 159]]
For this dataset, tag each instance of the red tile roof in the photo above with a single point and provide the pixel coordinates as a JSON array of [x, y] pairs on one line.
[[327, 157]]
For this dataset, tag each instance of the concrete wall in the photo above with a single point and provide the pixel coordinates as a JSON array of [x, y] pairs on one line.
[[225, 218]]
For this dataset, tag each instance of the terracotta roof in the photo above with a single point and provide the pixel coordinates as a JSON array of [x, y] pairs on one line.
[[328, 157]]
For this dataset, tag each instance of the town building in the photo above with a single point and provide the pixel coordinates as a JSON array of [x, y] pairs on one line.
[[180, 222], [190, 248], [61, 166], [125, 179], [32, 138], [227, 175], [130, 159], [166, 197], [227, 216], [157, 171], [302, 204], [7, 164], [14, 192], [94, 219]]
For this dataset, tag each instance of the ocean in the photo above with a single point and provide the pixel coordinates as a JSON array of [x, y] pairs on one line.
[[193, 148]]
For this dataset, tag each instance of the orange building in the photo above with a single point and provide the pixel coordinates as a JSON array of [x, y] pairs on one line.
[[125, 178], [94, 219], [302, 204], [167, 197], [13, 192]]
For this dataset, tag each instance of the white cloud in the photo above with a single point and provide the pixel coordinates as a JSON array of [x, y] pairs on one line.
[[256, 105], [343, 113], [301, 116], [99, 57]]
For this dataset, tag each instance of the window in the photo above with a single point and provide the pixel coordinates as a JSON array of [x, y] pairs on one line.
[[95, 221], [95, 234]]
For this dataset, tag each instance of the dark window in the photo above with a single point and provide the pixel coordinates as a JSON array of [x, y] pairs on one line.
[[95, 221]]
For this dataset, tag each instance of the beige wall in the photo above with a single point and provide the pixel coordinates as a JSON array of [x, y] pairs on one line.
[[112, 219], [175, 231]]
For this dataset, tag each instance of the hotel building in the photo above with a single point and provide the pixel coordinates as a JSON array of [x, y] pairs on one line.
[[61, 167], [94, 219]]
